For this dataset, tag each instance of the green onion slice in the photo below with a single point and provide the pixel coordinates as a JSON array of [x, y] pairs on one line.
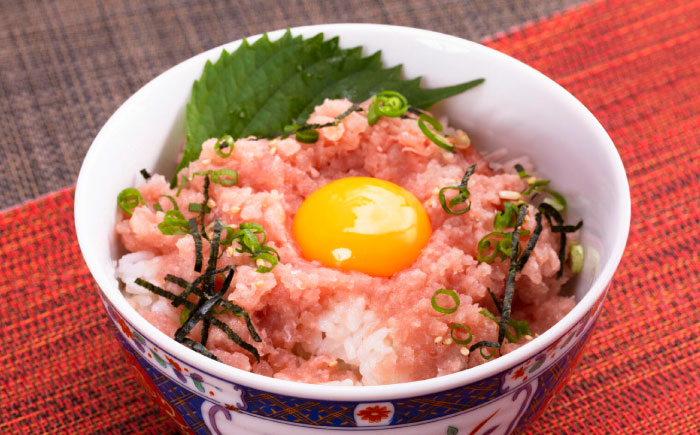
[[576, 257], [434, 137], [445, 310], [307, 136], [486, 313], [506, 218], [226, 141], [224, 177], [557, 200], [460, 326], [386, 103], [489, 246], [184, 315], [174, 223], [128, 199], [461, 197], [481, 345]]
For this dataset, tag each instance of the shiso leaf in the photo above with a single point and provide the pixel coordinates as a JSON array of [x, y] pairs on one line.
[[267, 85]]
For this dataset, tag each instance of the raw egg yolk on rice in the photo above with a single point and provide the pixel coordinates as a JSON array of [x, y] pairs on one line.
[[363, 224]]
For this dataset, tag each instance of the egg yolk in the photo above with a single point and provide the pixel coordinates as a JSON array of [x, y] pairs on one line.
[[363, 224]]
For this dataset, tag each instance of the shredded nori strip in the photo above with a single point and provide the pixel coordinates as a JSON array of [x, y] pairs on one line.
[[235, 337], [198, 347], [197, 244], [552, 213], [512, 270], [191, 287], [227, 305], [203, 308], [306, 127], [161, 292], [567, 228], [531, 243], [213, 256], [205, 330], [145, 174], [496, 302], [204, 208]]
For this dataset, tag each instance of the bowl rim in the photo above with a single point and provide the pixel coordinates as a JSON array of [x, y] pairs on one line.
[[378, 392]]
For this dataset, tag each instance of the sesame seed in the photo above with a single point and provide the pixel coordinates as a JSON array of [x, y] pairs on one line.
[[464, 351], [435, 191], [462, 140], [206, 161], [273, 150], [260, 262], [532, 180], [380, 149], [448, 341], [333, 363], [235, 209], [230, 251], [259, 283], [509, 194], [211, 203], [438, 340], [527, 337], [273, 143]]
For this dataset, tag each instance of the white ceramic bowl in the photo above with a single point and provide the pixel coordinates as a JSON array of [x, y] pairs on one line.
[[517, 108]]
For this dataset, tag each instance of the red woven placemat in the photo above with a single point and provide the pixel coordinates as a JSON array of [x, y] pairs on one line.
[[635, 64]]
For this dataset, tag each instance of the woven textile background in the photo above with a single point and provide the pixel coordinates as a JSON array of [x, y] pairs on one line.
[[66, 65], [635, 64]]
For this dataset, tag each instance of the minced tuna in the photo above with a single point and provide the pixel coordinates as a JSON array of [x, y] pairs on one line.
[[324, 325]]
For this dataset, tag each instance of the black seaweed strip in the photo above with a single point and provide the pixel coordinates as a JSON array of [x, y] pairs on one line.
[[414, 110], [235, 337], [552, 212], [203, 308], [203, 211], [533, 241], [145, 174], [235, 309], [197, 244], [161, 292], [512, 269], [496, 302], [353, 108], [205, 330], [213, 256], [198, 347], [468, 173], [177, 280], [192, 287], [567, 228]]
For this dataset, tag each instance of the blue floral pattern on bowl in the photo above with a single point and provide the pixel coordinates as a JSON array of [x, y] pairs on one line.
[[200, 402]]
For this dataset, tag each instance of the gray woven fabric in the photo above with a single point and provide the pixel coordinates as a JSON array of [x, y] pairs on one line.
[[65, 66]]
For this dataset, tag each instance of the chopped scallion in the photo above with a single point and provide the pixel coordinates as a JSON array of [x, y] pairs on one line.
[[463, 327], [461, 197], [128, 199], [434, 136], [445, 310], [576, 257]]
